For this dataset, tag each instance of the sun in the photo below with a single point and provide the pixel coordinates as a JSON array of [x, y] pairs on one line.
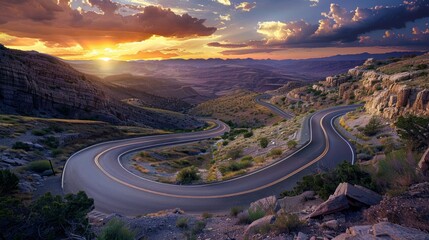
[[106, 59]]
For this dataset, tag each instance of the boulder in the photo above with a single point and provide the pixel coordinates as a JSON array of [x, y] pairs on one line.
[[258, 224], [268, 204], [297, 203], [332, 224], [358, 194], [332, 205], [383, 230]]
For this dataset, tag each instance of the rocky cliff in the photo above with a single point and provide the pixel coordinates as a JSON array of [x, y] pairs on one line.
[[41, 85], [390, 88]]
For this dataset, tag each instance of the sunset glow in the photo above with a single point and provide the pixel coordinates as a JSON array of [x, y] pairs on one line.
[[151, 29]]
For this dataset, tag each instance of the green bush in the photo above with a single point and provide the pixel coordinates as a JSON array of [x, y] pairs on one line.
[[236, 165], [287, 223], [263, 142], [188, 175], [256, 214], [292, 144], [236, 210], [324, 184], [182, 222], [248, 134], [53, 216], [39, 166], [39, 132], [21, 145], [116, 230], [8, 181]]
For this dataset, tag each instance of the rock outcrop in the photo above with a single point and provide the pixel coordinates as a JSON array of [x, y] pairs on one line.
[[424, 163], [383, 230], [344, 197]]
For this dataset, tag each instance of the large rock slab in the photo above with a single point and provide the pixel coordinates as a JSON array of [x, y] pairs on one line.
[[358, 194], [298, 203], [332, 205], [268, 204], [258, 224]]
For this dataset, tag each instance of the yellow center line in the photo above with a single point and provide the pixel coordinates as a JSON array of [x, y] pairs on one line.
[[325, 151]]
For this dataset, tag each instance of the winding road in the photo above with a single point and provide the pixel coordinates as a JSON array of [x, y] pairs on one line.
[[97, 171]]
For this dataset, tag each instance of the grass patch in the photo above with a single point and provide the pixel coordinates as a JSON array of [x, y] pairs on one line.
[[236, 210], [182, 223], [39, 166], [287, 223]]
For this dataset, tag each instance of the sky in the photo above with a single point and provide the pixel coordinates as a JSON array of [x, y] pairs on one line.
[[260, 29]]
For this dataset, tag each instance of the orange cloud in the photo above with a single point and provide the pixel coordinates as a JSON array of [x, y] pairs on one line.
[[150, 55], [57, 24]]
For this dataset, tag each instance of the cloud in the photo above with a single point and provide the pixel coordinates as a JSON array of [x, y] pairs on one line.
[[56, 23], [224, 2], [291, 32], [226, 17], [314, 3], [226, 45], [157, 54], [245, 6], [340, 26]]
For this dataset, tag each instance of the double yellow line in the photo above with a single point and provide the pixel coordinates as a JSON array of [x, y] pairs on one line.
[[325, 151]]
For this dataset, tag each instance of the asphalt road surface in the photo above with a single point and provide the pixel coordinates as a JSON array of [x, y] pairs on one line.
[[97, 171]]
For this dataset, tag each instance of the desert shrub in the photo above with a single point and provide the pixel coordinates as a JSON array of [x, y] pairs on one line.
[[236, 165], [236, 210], [21, 145], [39, 166], [256, 214], [53, 216], [234, 153], [116, 230], [206, 215], [224, 143], [373, 127], [286, 223], [324, 184], [8, 181], [292, 144], [421, 66], [198, 227], [39, 132], [248, 134], [51, 142], [182, 222], [251, 215], [263, 142], [188, 175], [275, 152], [396, 171]]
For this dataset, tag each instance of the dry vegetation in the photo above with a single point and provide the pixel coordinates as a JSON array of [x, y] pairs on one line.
[[35, 139], [238, 109]]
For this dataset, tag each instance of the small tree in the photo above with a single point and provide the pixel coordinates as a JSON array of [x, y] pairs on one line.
[[373, 127], [263, 142], [116, 230], [415, 130], [8, 181], [187, 175]]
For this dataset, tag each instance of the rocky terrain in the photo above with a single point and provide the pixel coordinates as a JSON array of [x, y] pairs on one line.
[[40, 85], [352, 212]]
